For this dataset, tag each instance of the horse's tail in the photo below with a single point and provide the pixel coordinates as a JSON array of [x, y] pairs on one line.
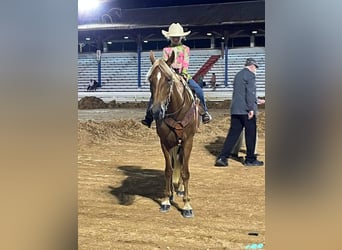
[[177, 164]]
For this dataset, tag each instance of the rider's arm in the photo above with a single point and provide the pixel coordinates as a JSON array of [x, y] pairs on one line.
[[185, 62]]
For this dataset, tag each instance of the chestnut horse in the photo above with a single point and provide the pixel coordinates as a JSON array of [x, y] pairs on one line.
[[176, 114]]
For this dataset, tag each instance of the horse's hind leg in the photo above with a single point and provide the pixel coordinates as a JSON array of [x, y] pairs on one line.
[[166, 204], [180, 189], [177, 181]]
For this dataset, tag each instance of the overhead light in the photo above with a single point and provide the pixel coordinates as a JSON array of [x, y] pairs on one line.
[[209, 34], [254, 32], [145, 41], [87, 5], [125, 37], [87, 38], [109, 42], [222, 38]]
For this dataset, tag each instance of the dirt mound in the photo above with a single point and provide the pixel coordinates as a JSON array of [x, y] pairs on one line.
[[92, 102], [218, 105], [131, 130], [119, 130], [131, 105]]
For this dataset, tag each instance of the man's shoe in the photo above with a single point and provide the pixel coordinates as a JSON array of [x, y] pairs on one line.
[[146, 122], [206, 117], [254, 163], [221, 162]]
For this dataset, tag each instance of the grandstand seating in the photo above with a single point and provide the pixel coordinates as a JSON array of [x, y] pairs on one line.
[[236, 60], [119, 71]]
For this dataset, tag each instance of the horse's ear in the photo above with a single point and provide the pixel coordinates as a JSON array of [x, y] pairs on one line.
[[152, 58], [171, 58]]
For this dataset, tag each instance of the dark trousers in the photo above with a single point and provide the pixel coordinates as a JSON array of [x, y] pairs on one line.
[[237, 123]]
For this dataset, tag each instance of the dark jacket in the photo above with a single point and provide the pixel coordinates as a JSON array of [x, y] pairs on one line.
[[244, 93]]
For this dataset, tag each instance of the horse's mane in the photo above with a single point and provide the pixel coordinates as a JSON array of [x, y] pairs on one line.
[[163, 66], [170, 73]]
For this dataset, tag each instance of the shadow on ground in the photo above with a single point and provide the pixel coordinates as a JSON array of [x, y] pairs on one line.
[[214, 147], [149, 183]]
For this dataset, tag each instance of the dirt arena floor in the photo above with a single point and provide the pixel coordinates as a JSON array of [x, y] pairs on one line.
[[121, 180]]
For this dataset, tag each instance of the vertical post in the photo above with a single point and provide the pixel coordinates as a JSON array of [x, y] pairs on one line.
[[212, 42], [226, 65], [226, 39], [105, 47], [252, 41], [99, 73], [98, 58], [139, 49]]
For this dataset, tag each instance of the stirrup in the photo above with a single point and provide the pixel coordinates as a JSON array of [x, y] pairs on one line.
[[206, 118]]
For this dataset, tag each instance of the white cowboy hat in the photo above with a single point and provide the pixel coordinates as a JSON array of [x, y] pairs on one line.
[[175, 30]]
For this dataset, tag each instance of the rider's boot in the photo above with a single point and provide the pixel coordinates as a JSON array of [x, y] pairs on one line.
[[148, 119], [206, 117]]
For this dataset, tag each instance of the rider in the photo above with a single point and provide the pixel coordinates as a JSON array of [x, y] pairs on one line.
[[180, 65]]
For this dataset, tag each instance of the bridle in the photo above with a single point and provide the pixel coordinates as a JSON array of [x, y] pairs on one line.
[[171, 82], [169, 100]]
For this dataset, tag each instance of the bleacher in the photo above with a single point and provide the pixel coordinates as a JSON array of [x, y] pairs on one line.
[[119, 73], [236, 60]]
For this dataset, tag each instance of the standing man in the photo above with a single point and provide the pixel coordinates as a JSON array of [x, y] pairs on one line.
[[243, 115]]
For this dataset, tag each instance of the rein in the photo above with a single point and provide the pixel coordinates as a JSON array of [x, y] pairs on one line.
[[169, 97], [181, 107]]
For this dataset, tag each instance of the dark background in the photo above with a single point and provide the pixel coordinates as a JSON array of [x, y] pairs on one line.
[[230, 23]]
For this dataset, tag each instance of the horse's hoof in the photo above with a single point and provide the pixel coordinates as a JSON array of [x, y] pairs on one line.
[[164, 208], [180, 193], [187, 213]]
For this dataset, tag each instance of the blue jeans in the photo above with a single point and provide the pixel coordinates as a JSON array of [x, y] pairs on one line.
[[199, 92]]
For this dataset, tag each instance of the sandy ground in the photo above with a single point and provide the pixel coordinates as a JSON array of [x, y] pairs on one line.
[[121, 180]]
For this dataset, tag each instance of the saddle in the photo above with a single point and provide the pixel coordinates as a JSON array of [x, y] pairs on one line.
[[192, 93]]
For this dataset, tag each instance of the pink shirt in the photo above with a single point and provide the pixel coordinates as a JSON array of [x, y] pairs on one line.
[[181, 62]]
